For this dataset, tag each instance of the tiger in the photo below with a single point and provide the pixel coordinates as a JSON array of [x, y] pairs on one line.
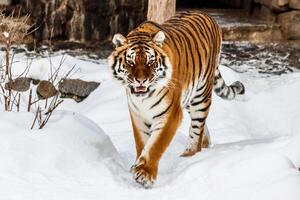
[[166, 68]]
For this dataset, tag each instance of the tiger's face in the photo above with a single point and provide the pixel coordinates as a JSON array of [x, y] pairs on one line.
[[140, 63]]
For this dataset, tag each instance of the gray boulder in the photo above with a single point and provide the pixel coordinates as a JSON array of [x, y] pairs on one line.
[[46, 90], [21, 84], [76, 89]]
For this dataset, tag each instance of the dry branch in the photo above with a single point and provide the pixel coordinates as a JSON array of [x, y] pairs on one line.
[[13, 30]]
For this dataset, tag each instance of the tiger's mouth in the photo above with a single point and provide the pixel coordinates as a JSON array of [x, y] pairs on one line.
[[139, 90]]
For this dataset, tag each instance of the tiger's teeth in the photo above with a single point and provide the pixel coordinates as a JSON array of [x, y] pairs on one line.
[[140, 89]]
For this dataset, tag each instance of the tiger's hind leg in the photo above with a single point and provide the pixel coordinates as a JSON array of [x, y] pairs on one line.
[[198, 133]]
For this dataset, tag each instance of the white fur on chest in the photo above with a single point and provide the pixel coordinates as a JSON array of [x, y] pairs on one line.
[[144, 107]]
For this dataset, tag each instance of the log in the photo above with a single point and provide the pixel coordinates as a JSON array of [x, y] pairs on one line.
[[5, 2], [161, 10]]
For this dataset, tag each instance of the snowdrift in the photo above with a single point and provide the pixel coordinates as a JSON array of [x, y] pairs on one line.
[[255, 153]]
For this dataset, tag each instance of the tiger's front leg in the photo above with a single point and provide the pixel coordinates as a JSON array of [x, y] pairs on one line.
[[141, 132], [162, 132]]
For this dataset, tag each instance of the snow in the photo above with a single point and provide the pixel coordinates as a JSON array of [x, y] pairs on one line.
[[86, 149]]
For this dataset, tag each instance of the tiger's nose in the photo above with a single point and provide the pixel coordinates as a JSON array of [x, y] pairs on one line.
[[141, 80]]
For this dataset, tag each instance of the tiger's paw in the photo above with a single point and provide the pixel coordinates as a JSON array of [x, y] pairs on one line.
[[143, 174], [191, 148], [189, 152], [194, 146]]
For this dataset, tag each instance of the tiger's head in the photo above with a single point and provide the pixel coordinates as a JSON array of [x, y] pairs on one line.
[[139, 62]]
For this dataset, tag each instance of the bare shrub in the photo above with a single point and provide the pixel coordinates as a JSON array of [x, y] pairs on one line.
[[44, 109], [13, 30]]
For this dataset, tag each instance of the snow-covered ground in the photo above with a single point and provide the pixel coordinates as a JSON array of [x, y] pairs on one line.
[[86, 149]]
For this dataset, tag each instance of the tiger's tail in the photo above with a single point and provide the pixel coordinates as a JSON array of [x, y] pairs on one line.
[[224, 91]]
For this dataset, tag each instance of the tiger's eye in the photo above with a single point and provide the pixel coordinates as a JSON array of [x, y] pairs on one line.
[[150, 62], [129, 62]]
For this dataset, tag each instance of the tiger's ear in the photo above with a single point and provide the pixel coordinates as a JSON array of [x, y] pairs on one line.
[[119, 40], [159, 38]]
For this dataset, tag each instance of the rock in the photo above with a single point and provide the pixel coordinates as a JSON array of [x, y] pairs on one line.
[[268, 33], [294, 55], [275, 5], [282, 2], [290, 24], [267, 14], [21, 84], [76, 88], [267, 58], [46, 90], [294, 4], [241, 26], [85, 20]]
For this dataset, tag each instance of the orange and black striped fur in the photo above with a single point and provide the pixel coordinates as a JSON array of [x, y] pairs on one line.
[[166, 68]]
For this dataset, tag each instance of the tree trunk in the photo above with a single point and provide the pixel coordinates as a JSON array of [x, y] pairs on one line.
[[161, 10]]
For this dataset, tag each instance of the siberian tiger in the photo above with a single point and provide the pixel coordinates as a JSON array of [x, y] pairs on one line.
[[164, 69]]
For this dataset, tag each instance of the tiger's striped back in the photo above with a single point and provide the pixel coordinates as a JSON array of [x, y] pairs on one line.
[[195, 40]]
